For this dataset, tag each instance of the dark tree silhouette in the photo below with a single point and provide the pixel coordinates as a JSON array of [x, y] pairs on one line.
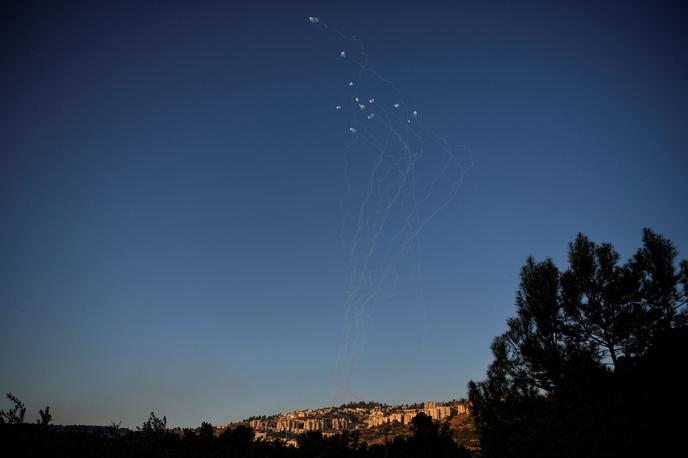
[[206, 430], [45, 417], [16, 414], [569, 375], [114, 428], [154, 424], [428, 439], [237, 441]]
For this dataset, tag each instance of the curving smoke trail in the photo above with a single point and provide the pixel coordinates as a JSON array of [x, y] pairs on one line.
[[400, 176]]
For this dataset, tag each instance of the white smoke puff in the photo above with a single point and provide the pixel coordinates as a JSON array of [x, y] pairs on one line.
[[396, 105], [361, 106], [351, 83], [342, 54], [338, 107], [356, 99], [352, 130], [371, 115], [371, 101], [313, 19], [415, 114]]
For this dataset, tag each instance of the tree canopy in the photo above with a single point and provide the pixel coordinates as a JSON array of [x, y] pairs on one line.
[[586, 365]]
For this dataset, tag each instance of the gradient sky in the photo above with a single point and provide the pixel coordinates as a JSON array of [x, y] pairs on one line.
[[171, 179]]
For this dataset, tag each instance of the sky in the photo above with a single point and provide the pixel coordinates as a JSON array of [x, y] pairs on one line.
[[176, 191]]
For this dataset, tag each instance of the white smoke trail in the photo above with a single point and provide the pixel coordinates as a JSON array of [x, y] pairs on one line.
[[410, 177]]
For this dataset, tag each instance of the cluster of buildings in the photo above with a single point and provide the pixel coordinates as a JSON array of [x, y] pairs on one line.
[[331, 420], [305, 424], [258, 425], [435, 410]]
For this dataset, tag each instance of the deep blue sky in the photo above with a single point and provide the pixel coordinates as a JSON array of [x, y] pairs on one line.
[[171, 180]]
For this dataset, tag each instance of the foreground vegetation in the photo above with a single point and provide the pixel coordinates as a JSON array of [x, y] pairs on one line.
[[593, 363], [153, 439]]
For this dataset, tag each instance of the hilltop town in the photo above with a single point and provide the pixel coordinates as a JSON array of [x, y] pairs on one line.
[[374, 422]]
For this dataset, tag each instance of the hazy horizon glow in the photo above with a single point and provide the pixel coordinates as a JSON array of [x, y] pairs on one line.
[[173, 186]]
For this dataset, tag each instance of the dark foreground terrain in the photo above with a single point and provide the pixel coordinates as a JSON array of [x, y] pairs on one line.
[[427, 439]]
